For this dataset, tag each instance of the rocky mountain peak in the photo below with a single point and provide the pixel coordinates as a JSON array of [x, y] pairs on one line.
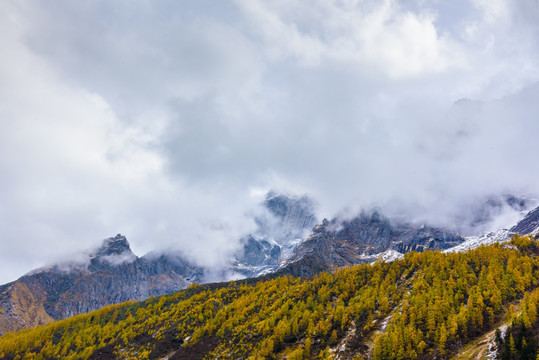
[[364, 238], [113, 275], [528, 225], [321, 227], [296, 209], [280, 229], [114, 246]]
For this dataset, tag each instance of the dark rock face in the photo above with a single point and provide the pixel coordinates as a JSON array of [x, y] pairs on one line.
[[529, 224], [368, 232], [113, 246], [113, 274], [410, 238], [321, 252], [372, 234], [259, 252], [295, 215], [288, 221], [336, 244]]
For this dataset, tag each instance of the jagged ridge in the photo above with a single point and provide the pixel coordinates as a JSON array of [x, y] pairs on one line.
[[426, 305], [363, 239], [112, 274]]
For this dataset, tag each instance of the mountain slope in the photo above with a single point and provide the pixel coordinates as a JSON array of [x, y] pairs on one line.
[[112, 274], [287, 221], [528, 225], [427, 305], [362, 239]]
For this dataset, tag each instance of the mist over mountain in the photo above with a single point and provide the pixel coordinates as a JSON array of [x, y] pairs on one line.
[[288, 220], [306, 179], [109, 275], [170, 121], [287, 240], [386, 310]]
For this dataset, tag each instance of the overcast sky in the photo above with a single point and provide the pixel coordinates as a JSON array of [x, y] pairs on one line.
[[167, 121]]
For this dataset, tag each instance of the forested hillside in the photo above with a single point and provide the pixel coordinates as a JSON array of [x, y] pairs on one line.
[[427, 305]]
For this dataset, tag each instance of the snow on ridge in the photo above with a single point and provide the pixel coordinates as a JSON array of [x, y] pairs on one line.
[[390, 255], [472, 242]]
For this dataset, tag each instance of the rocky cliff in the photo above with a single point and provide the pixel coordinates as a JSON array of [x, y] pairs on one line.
[[294, 216], [287, 220], [528, 225], [283, 243], [362, 239], [111, 274]]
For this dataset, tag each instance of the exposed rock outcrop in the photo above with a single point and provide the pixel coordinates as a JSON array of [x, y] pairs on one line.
[[288, 220], [112, 274], [335, 244], [528, 225]]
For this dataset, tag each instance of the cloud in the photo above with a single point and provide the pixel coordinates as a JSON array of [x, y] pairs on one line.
[[382, 36], [76, 172], [163, 120]]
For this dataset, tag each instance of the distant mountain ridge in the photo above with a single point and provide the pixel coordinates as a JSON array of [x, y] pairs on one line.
[[528, 225], [362, 239], [484, 212], [381, 311], [287, 241], [112, 274], [288, 221]]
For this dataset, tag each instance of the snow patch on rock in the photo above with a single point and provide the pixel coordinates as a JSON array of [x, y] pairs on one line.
[[473, 242]]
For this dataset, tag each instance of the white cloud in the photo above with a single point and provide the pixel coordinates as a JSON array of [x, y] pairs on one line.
[[381, 36], [157, 120]]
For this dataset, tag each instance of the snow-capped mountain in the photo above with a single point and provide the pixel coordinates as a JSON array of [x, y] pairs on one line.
[[287, 241], [365, 238], [494, 212], [473, 242], [285, 223], [527, 224], [371, 236]]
